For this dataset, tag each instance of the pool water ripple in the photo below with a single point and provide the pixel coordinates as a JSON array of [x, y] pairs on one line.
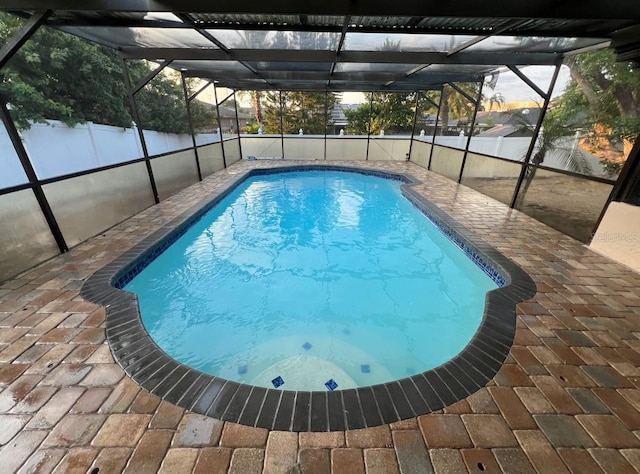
[[338, 261]]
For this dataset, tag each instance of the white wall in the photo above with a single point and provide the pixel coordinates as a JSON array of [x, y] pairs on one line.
[[515, 149], [56, 149], [618, 235], [11, 172]]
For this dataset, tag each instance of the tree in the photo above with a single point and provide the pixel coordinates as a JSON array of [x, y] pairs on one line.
[[603, 101], [300, 110], [455, 104], [203, 114], [59, 76], [553, 137], [161, 104], [496, 99], [256, 101], [391, 112]]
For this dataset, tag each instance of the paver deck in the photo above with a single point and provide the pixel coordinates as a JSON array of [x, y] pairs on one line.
[[566, 400]]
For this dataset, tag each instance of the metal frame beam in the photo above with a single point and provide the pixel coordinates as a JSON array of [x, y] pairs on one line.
[[575, 30], [366, 157], [281, 126], [187, 104], [34, 182], [343, 34], [21, 36], [215, 94], [534, 139], [189, 21], [435, 130], [463, 93], [326, 121], [506, 27], [630, 172], [322, 76], [235, 104], [594, 9], [413, 129], [428, 99], [199, 91], [138, 122], [528, 81], [325, 56], [321, 86], [473, 123], [149, 77]]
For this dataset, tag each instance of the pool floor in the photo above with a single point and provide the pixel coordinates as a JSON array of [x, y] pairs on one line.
[[566, 400]]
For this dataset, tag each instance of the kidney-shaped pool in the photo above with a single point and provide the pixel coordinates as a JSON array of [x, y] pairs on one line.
[[302, 287], [312, 280]]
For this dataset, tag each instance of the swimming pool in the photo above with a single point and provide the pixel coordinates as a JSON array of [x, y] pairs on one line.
[[220, 397], [312, 280]]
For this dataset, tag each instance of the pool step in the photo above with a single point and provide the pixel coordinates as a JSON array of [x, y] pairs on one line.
[[304, 372]]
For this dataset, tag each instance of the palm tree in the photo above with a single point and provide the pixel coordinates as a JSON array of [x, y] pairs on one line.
[[554, 137], [456, 104], [496, 99]]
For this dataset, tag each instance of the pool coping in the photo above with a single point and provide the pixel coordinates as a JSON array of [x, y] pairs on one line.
[[283, 410]]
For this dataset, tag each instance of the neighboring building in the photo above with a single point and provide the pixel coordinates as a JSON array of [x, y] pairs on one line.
[[427, 123], [227, 119], [512, 123], [339, 120]]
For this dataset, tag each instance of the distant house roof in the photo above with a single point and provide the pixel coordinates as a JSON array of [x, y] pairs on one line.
[[227, 112], [427, 118], [337, 114], [514, 117], [499, 131]]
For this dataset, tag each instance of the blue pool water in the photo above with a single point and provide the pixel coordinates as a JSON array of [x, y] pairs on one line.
[[312, 276]]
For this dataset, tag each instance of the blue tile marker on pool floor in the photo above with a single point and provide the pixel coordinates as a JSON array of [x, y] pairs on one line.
[[331, 384], [277, 381]]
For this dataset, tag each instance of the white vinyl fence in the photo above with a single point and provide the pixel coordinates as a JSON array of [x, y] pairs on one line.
[[56, 149]]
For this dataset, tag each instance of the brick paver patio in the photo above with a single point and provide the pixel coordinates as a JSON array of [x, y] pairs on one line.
[[566, 400]]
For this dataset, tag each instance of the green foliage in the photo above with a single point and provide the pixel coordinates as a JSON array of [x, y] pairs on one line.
[[59, 76], [203, 116], [300, 110], [391, 112], [602, 104], [456, 105], [252, 126], [603, 92], [358, 119], [161, 105]]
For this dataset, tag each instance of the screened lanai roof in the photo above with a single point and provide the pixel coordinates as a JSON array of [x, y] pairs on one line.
[[346, 45]]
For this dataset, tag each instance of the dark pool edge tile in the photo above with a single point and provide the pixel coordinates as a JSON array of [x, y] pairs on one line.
[[357, 408]]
